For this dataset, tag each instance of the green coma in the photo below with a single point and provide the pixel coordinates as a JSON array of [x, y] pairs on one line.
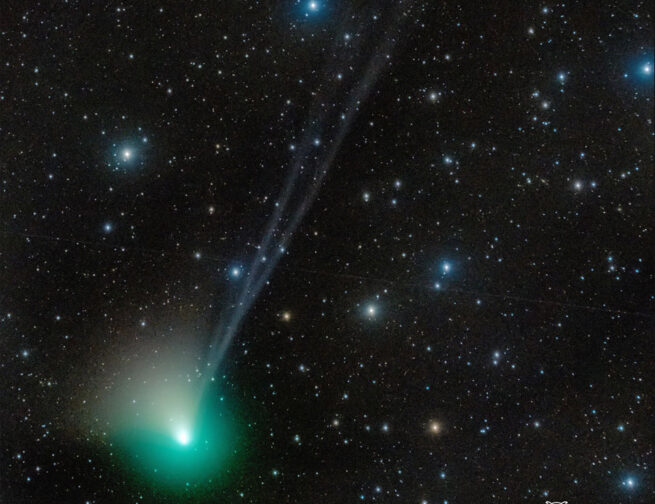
[[187, 449]]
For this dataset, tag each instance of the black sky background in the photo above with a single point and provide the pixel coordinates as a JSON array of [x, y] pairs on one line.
[[531, 272]]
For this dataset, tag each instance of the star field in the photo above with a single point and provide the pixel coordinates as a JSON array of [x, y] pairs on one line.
[[327, 251]]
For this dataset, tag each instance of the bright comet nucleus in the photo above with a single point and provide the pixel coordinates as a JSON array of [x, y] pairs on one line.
[[183, 437]]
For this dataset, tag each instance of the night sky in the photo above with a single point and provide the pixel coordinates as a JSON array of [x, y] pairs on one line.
[[326, 252]]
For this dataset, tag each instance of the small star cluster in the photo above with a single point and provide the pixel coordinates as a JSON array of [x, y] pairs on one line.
[[418, 235]]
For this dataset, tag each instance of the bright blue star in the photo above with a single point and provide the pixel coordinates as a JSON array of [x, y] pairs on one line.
[[107, 227], [313, 6], [235, 272], [629, 483], [642, 71]]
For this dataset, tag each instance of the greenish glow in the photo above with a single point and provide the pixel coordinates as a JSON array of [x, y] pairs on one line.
[[195, 452], [169, 429]]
